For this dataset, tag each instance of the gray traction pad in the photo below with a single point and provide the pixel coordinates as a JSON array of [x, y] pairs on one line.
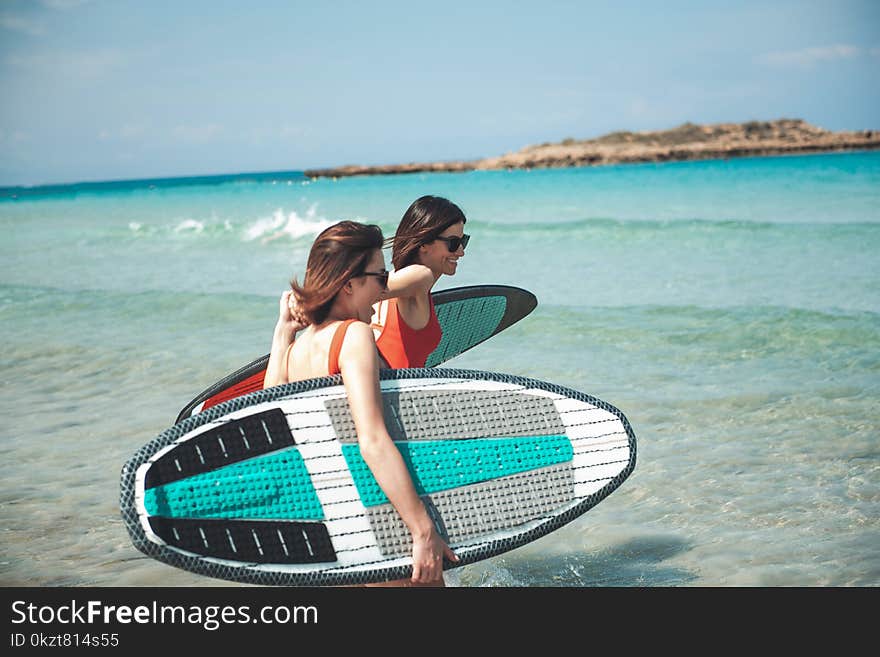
[[478, 509], [480, 414]]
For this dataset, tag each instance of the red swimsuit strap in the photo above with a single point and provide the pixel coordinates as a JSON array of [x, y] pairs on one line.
[[336, 346]]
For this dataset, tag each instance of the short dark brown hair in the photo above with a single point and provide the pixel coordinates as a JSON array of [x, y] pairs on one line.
[[340, 253]]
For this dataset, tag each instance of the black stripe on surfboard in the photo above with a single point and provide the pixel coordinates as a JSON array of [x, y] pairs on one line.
[[228, 443], [248, 541]]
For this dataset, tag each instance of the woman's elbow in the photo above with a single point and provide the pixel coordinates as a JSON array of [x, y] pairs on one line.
[[373, 445]]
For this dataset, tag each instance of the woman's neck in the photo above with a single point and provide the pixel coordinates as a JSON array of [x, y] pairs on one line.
[[338, 312]]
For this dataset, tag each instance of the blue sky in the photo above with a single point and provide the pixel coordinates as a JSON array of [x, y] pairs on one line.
[[115, 89]]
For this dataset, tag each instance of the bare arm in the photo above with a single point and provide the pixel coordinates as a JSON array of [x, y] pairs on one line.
[[412, 288], [358, 361], [282, 338], [410, 281]]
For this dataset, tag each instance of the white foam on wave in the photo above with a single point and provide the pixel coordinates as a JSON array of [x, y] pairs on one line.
[[190, 225], [290, 225]]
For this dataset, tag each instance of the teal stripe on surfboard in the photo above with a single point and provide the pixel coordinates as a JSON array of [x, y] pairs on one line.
[[278, 486], [270, 487], [466, 323], [438, 465]]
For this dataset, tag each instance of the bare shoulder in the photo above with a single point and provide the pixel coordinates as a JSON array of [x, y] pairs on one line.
[[410, 281], [358, 331], [418, 274], [358, 352], [358, 339]]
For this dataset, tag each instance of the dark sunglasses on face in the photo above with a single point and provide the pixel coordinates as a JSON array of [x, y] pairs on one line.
[[382, 275], [452, 243]]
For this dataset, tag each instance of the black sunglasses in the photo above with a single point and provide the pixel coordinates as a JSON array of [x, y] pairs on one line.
[[382, 275], [452, 243]]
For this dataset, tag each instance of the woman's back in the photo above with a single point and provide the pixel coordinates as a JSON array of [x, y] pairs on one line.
[[315, 352]]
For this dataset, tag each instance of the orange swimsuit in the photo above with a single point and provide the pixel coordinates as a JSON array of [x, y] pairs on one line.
[[402, 346], [335, 348]]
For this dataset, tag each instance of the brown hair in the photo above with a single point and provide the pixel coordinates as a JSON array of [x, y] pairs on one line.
[[340, 253], [423, 221]]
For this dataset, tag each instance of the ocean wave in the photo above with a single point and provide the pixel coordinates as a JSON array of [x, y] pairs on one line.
[[178, 228], [608, 224], [288, 225], [190, 225], [281, 224]]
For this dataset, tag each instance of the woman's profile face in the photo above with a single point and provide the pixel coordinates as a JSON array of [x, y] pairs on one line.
[[368, 288], [437, 256]]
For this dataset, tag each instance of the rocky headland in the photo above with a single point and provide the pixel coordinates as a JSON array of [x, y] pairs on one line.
[[686, 142]]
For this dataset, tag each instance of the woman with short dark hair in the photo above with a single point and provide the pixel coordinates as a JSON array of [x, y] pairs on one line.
[[345, 276]]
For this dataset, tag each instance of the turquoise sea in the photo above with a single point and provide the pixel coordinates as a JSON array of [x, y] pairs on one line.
[[731, 309]]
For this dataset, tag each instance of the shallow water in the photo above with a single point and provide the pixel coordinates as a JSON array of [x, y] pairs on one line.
[[730, 309]]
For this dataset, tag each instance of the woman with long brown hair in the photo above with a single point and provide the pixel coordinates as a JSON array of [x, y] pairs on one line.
[[345, 276], [428, 243]]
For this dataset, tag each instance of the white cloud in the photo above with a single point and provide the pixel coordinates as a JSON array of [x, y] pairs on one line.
[[63, 5], [807, 57], [27, 25], [70, 65], [21, 24], [132, 130], [199, 134], [288, 131], [127, 131], [14, 137], [639, 108]]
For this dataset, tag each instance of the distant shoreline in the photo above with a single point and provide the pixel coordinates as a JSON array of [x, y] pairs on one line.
[[686, 142]]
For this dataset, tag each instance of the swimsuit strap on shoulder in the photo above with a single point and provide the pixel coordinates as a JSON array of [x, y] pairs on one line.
[[336, 346]]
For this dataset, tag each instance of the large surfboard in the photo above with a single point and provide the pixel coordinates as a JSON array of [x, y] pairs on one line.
[[467, 315], [270, 487]]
